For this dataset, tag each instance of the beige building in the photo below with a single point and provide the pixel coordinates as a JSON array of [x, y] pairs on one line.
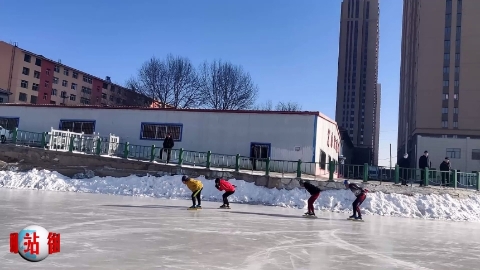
[[464, 154], [440, 65], [26, 77], [358, 91]]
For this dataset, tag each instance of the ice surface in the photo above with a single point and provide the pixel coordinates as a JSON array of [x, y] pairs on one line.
[[124, 232], [443, 207]]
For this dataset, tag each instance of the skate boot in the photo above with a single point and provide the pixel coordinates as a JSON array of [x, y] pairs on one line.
[[223, 206], [359, 218], [193, 207], [198, 206], [352, 217]]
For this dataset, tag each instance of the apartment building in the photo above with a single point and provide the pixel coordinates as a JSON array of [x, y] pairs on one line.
[[358, 91], [26, 77], [440, 64]]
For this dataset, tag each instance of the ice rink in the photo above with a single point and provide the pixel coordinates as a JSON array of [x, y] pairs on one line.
[[120, 232]]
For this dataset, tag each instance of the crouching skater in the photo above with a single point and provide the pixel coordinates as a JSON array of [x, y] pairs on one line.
[[224, 185], [314, 194], [361, 194], [196, 187]]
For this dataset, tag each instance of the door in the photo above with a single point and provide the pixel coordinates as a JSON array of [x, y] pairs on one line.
[[260, 150]]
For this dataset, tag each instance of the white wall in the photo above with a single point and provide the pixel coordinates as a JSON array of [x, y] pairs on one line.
[[226, 133], [437, 150], [326, 129]]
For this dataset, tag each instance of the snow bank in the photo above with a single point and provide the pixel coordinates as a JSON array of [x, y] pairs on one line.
[[419, 206]]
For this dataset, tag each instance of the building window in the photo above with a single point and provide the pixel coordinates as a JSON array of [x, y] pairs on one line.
[[444, 110], [84, 100], [457, 56], [47, 71], [55, 80], [64, 83], [66, 72], [457, 70], [444, 124], [454, 152], [22, 96], [36, 74], [27, 58], [446, 45], [24, 84], [456, 83], [56, 69], [455, 110], [86, 90], [455, 96], [75, 75], [73, 97], [78, 126], [9, 123], [445, 96], [35, 86], [33, 99], [158, 131], [111, 98], [74, 86], [87, 79], [112, 88], [38, 62], [446, 70], [455, 124], [446, 56], [47, 83], [54, 92], [45, 96], [104, 96], [446, 83], [475, 154], [63, 94], [105, 85], [26, 71]]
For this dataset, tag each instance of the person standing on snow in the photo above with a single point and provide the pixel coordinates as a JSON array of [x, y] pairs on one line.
[[361, 195], [314, 194], [222, 184]]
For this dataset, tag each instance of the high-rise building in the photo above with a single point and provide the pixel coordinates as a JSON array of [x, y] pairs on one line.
[[26, 77], [358, 91], [440, 67]]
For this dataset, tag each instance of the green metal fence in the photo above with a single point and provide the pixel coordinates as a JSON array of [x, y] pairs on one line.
[[102, 146]]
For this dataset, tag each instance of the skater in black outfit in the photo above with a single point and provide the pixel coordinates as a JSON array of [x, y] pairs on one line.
[[361, 195], [314, 194]]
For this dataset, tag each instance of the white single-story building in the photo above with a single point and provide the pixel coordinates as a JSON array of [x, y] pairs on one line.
[[464, 153], [308, 136]]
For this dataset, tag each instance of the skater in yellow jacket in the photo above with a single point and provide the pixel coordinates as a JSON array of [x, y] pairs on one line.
[[196, 187]]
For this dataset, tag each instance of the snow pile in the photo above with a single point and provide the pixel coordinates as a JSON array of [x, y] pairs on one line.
[[419, 206]]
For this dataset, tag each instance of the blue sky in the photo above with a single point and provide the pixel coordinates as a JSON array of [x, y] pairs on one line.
[[290, 48]]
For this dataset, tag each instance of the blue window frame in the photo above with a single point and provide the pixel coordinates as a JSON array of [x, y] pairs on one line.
[[158, 131], [9, 123], [77, 125]]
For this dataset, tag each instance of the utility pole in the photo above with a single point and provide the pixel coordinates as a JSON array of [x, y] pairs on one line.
[[390, 156]]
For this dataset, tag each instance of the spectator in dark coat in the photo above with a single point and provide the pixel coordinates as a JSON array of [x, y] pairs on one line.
[[445, 168], [168, 144], [404, 164], [253, 157], [423, 163]]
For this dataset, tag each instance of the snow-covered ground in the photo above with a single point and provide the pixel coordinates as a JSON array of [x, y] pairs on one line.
[[442, 207]]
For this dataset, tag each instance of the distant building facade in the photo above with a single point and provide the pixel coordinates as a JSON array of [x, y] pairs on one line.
[[358, 91], [26, 77]]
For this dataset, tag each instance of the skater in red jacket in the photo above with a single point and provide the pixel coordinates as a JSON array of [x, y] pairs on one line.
[[314, 194], [361, 195], [224, 185]]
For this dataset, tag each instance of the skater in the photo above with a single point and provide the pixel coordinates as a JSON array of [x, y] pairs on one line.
[[224, 185], [196, 187], [314, 194], [361, 194]]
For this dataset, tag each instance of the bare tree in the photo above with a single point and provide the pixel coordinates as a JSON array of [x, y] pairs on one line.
[[224, 86], [267, 106], [288, 107], [281, 106], [172, 81]]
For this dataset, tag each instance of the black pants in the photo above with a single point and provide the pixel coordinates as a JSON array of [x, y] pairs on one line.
[[168, 151], [197, 195], [445, 178], [423, 174], [225, 197], [254, 163]]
